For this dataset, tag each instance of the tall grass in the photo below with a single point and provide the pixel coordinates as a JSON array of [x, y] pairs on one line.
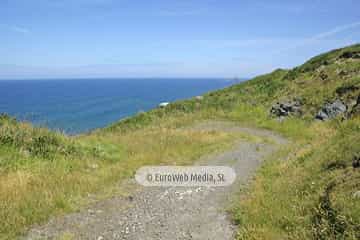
[[309, 194], [45, 173]]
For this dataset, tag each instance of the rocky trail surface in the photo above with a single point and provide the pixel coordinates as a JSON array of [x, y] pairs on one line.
[[169, 212]]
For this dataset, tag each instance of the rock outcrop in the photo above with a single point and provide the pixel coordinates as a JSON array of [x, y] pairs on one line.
[[286, 108], [351, 54], [331, 110]]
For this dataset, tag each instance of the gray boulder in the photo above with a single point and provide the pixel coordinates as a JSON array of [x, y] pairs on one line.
[[351, 54], [286, 108], [331, 110]]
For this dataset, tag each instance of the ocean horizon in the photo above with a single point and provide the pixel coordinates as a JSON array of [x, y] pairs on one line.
[[77, 106]]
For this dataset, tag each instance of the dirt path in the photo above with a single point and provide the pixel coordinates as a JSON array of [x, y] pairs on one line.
[[172, 212]]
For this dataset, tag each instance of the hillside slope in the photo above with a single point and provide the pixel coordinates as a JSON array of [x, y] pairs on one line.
[[313, 194]]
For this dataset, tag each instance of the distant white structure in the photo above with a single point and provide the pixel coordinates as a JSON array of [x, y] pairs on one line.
[[163, 104], [199, 98]]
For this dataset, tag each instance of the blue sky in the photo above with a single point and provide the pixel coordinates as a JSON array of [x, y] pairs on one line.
[[168, 38]]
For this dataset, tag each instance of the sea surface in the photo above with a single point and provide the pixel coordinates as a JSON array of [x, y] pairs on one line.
[[79, 105]]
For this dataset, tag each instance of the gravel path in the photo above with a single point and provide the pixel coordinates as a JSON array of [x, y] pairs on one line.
[[171, 212]]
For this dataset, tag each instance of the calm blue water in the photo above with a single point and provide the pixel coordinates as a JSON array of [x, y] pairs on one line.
[[76, 106]]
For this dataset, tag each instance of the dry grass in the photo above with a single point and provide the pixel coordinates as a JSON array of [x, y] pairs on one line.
[[43, 186]]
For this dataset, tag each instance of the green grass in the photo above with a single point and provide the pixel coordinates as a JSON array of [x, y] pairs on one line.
[[44, 173], [309, 195], [301, 192]]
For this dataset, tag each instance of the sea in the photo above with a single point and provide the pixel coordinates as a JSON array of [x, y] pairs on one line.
[[76, 106]]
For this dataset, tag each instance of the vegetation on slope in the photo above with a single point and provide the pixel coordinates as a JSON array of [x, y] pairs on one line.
[[310, 195], [43, 173]]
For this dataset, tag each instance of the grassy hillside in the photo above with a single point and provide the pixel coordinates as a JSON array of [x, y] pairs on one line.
[[43, 173], [305, 191]]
